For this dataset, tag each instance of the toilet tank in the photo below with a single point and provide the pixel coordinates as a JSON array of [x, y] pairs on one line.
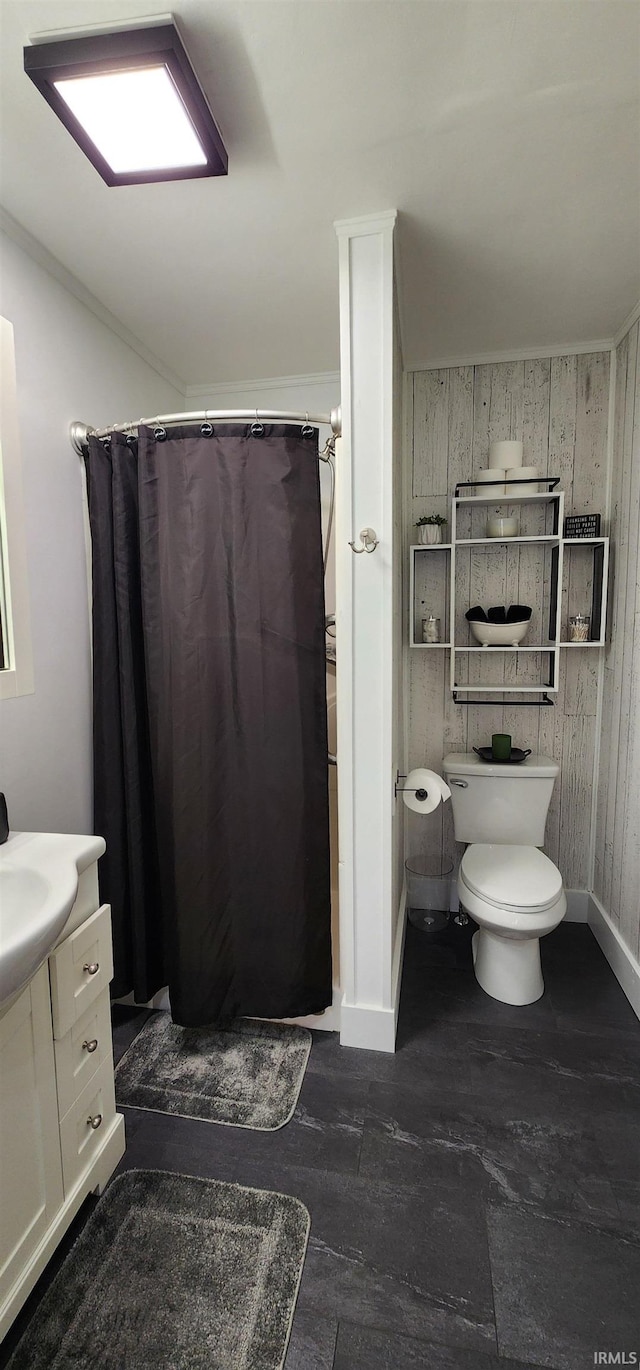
[[499, 803]]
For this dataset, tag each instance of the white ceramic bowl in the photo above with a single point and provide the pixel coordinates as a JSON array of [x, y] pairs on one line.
[[500, 634]]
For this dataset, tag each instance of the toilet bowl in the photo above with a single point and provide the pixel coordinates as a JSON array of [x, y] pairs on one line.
[[515, 895]]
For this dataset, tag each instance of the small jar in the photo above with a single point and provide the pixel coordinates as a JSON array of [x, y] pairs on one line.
[[499, 526], [431, 629], [579, 628]]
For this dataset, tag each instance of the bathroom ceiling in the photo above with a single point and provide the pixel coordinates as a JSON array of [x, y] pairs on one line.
[[504, 131]]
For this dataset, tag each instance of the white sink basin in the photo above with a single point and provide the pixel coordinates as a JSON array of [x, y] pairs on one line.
[[39, 875]]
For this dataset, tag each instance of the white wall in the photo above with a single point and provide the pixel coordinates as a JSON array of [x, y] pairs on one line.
[[69, 366]]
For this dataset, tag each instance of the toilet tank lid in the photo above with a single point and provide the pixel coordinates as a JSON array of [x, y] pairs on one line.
[[467, 763]]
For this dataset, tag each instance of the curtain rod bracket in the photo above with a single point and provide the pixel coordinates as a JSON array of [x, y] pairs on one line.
[[78, 435]]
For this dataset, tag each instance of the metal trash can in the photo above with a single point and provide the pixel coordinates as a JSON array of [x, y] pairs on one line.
[[428, 891]]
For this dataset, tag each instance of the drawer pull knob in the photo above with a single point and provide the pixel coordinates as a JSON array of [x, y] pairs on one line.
[[91, 967], [91, 1045], [95, 1121]]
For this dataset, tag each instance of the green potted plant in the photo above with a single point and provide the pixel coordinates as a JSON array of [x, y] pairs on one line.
[[430, 528]]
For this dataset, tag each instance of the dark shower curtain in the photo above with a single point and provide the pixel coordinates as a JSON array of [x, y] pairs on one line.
[[210, 738]]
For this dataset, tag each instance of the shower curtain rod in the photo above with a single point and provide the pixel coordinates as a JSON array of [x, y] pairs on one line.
[[80, 432]]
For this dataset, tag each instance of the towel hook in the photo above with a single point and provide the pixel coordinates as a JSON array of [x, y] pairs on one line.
[[369, 540]]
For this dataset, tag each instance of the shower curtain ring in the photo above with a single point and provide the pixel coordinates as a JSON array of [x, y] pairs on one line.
[[206, 430], [369, 539], [307, 430]]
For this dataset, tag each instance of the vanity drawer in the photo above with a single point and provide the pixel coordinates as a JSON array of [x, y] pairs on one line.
[[85, 1127], [82, 1050], [80, 969]]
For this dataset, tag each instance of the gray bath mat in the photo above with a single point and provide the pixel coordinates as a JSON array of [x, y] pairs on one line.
[[246, 1075], [174, 1273]]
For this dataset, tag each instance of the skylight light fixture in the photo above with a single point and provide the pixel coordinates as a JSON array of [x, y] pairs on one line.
[[132, 102]]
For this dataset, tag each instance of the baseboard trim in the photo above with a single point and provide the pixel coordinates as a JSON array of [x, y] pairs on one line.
[[577, 906], [622, 961], [373, 1029], [398, 954]]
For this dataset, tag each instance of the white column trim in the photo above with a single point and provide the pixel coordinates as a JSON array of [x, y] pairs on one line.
[[366, 224], [370, 962]]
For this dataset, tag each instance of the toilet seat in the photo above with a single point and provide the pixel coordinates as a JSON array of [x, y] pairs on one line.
[[512, 878]]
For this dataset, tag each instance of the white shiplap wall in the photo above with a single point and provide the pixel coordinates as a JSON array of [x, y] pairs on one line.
[[559, 407], [617, 845]]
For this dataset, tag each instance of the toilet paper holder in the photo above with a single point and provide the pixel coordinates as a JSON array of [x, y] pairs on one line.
[[407, 789]]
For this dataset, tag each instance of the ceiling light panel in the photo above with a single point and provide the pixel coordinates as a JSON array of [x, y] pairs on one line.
[[133, 104]]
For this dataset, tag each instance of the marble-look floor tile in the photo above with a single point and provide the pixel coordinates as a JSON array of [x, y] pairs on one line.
[[572, 945], [564, 1070], [627, 1193], [554, 1166], [581, 998], [450, 995], [364, 1348], [618, 1136], [325, 1130], [412, 1261], [313, 1342], [562, 1288], [159, 1141], [435, 1061], [126, 1022]]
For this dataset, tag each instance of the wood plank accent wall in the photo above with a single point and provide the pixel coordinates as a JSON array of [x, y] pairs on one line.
[[617, 848], [559, 407]]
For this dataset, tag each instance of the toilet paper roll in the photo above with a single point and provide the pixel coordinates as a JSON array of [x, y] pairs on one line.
[[423, 790], [506, 454], [492, 473], [522, 473]]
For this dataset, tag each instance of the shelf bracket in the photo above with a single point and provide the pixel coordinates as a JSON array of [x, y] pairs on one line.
[[506, 703]]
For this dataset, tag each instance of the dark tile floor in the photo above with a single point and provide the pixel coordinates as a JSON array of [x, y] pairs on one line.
[[475, 1199]]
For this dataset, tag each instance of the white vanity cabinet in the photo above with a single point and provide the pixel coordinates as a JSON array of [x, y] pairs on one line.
[[31, 1176], [60, 1135]]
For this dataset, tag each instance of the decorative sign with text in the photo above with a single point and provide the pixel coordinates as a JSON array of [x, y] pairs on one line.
[[582, 526]]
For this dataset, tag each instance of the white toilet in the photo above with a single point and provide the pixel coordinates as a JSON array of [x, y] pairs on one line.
[[510, 888]]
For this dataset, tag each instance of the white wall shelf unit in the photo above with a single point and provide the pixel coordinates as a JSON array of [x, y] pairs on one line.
[[588, 574], [429, 577], [572, 578], [467, 531]]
